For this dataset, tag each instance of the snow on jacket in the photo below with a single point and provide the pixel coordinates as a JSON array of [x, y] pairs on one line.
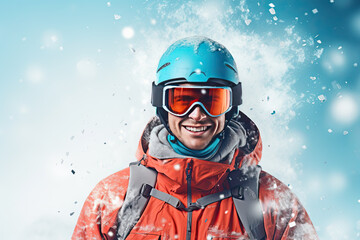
[[284, 216]]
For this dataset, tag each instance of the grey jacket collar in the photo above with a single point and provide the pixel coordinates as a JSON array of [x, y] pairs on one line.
[[235, 137]]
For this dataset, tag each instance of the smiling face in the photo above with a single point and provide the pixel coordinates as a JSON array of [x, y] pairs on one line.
[[196, 129]]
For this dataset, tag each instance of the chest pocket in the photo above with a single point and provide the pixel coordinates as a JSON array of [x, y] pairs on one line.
[[144, 236]]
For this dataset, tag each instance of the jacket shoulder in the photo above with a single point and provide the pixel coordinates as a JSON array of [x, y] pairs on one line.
[[284, 215], [100, 209]]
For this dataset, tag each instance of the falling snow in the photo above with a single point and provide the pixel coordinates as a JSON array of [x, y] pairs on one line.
[[84, 87], [128, 32], [247, 21], [322, 98], [292, 224]]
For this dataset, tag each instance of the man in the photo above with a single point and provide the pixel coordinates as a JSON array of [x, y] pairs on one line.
[[197, 174]]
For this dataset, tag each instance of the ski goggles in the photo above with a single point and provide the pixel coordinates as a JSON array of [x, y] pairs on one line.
[[179, 100]]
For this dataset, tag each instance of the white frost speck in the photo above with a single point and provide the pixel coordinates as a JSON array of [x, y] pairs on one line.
[[275, 18], [292, 224], [318, 41], [128, 32], [247, 21], [359, 201], [153, 21], [313, 78], [315, 11], [226, 212], [177, 167], [304, 147], [272, 11], [110, 234], [197, 71], [335, 85], [355, 64], [319, 52], [108, 4], [222, 196], [322, 98], [275, 186], [345, 132], [117, 16], [332, 1], [340, 47], [271, 5], [330, 130]]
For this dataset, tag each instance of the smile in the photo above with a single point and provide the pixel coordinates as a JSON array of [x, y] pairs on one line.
[[197, 129]]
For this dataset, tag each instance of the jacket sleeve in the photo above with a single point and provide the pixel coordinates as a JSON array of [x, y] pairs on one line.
[[98, 216], [284, 216]]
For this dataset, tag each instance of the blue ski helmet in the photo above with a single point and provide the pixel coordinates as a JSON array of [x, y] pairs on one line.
[[196, 60]]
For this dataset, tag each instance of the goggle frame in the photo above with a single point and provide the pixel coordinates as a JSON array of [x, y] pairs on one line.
[[195, 103]]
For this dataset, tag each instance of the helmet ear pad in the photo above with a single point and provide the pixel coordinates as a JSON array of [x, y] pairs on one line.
[[163, 116]]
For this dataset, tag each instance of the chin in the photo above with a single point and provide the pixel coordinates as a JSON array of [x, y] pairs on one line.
[[196, 145]]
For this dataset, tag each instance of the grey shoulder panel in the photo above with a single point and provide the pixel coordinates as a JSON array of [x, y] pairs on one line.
[[134, 203], [244, 184]]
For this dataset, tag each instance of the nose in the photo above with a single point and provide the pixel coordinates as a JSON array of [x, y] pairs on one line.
[[197, 114]]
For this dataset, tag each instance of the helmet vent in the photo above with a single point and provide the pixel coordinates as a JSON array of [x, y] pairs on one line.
[[163, 66], [229, 66]]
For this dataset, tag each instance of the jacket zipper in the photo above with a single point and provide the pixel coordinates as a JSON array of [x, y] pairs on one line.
[[189, 200]]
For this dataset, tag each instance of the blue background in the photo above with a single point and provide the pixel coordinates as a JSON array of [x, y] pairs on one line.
[[75, 92]]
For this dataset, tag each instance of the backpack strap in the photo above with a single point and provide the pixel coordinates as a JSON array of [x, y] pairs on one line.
[[244, 189], [134, 202], [148, 191], [244, 185]]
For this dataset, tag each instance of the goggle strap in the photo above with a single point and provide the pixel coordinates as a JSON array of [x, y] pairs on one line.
[[157, 95]]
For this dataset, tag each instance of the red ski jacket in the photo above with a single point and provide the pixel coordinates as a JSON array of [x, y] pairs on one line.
[[284, 216]]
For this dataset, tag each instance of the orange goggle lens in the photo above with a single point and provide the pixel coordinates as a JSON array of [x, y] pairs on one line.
[[215, 101]]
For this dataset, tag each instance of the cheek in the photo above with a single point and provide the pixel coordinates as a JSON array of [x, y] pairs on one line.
[[220, 123], [173, 122]]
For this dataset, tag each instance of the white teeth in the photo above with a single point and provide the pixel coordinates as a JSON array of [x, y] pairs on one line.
[[196, 129]]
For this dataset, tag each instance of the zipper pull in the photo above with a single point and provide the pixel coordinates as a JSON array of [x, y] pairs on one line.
[[189, 170]]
